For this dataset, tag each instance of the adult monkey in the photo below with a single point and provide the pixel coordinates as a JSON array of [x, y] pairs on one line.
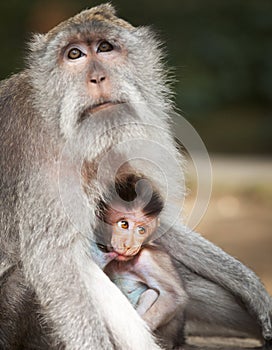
[[85, 78]]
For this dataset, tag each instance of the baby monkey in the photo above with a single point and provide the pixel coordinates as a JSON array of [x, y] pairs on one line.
[[140, 269]]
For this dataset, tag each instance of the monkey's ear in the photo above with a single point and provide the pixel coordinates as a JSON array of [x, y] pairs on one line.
[[37, 42]]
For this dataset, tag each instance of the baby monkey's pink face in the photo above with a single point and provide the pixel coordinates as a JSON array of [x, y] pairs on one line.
[[130, 229]]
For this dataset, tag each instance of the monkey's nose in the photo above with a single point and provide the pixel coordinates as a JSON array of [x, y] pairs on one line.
[[97, 79]]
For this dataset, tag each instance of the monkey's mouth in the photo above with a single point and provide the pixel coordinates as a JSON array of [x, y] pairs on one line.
[[121, 257], [107, 250], [103, 105], [99, 106]]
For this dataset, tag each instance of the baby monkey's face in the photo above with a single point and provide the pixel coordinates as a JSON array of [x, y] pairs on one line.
[[130, 229]]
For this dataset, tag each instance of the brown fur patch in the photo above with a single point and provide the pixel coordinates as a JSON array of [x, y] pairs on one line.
[[102, 13]]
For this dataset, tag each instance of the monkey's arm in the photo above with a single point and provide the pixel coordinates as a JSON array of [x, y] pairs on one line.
[[156, 270], [78, 298], [235, 280]]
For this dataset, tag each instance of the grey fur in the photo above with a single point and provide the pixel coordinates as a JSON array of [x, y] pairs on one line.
[[230, 288], [46, 220]]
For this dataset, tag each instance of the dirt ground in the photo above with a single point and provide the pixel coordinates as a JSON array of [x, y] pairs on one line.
[[221, 344], [239, 220]]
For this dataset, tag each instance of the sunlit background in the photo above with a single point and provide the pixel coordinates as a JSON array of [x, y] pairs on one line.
[[221, 52]]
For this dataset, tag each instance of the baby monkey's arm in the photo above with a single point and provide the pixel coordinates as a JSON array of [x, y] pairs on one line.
[[166, 295]]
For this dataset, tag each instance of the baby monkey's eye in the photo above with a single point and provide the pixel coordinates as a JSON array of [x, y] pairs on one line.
[[104, 46], [141, 230], [75, 53], [123, 224]]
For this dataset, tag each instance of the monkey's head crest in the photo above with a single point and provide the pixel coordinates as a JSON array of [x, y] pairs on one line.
[[102, 13]]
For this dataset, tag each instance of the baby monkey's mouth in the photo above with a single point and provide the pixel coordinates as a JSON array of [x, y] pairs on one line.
[[120, 257]]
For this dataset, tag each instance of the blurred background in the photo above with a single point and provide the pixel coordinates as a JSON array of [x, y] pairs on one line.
[[221, 52]]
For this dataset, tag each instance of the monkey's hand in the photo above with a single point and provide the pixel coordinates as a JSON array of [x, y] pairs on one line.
[[146, 300]]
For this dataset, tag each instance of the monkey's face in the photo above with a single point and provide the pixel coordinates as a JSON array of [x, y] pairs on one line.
[[130, 230], [91, 68], [95, 61], [92, 73]]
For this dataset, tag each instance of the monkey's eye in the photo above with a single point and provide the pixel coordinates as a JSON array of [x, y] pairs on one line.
[[75, 53], [104, 46], [123, 224], [141, 230]]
